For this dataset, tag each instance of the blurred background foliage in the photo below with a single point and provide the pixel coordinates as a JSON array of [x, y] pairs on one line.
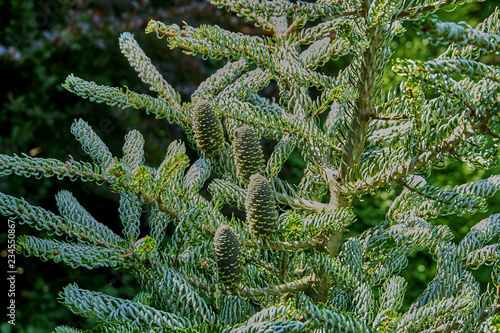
[[41, 42]]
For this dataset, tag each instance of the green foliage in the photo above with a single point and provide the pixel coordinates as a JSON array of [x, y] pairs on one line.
[[200, 269]]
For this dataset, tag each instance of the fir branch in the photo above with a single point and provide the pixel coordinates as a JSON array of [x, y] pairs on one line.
[[287, 195], [158, 222], [322, 30], [363, 302], [175, 294], [321, 51], [247, 85], [197, 175], [311, 11], [454, 324], [410, 234], [330, 220], [277, 122], [312, 185], [102, 307], [266, 244], [28, 166], [280, 155], [374, 56], [270, 313], [479, 235], [38, 167], [439, 310], [241, 8], [220, 80], [489, 25], [75, 255], [133, 151], [70, 208], [293, 69], [331, 319], [130, 212], [452, 66], [226, 192], [390, 103], [457, 202], [274, 326], [426, 8], [124, 98], [42, 219], [215, 42], [92, 144], [389, 117], [412, 165], [329, 96], [461, 34], [391, 299], [262, 263], [289, 287], [147, 71], [488, 255], [171, 170]]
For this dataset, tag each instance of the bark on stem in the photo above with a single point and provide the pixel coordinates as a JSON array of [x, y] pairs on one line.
[[289, 287], [353, 147]]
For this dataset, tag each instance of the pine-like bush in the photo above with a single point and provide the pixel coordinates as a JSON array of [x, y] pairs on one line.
[[357, 136]]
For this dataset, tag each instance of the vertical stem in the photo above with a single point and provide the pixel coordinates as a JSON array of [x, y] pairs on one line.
[[354, 145], [360, 121], [284, 265]]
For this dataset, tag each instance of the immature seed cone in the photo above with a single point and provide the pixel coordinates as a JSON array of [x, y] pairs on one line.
[[228, 256], [207, 128], [260, 206], [248, 155]]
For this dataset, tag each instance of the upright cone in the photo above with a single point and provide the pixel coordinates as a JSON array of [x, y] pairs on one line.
[[207, 128], [260, 206], [228, 256], [248, 155]]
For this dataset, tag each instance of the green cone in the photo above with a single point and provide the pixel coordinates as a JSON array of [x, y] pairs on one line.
[[228, 255], [207, 128], [260, 206], [248, 155]]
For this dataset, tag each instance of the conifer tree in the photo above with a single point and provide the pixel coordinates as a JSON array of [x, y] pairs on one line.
[[291, 267]]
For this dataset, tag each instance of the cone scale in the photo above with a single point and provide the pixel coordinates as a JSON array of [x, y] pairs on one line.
[[228, 256], [248, 154], [260, 206], [207, 128]]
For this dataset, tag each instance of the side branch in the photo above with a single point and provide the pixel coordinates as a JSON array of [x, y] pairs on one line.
[[47, 167], [417, 10], [425, 195], [372, 57], [445, 328], [289, 287], [266, 244], [274, 245], [300, 203], [402, 170]]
